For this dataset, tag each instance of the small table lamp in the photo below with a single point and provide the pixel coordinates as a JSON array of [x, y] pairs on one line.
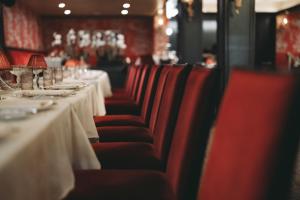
[[72, 65], [4, 65], [38, 64]]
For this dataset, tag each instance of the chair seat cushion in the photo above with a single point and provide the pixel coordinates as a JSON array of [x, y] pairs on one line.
[[127, 155], [124, 134], [121, 184], [124, 106], [119, 120]]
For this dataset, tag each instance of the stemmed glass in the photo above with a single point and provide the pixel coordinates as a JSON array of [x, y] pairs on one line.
[[38, 63], [18, 70]]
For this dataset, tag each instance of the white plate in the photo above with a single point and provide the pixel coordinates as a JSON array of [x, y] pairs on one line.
[[64, 87], [33, 93], [8, 114]]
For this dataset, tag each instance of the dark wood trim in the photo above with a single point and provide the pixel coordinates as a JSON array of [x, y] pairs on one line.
[[8, 2], [223, 43], [252, 24]]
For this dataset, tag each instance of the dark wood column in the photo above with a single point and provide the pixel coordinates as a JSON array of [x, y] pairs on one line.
[[236, 37], [189, 33]]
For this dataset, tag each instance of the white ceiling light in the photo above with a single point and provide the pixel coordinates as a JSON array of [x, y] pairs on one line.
[[160, 21], [126, 5], [285, 21], [171, 9], [67, 12], [169, 31], [61, 5], [160, 11], [124, 12]]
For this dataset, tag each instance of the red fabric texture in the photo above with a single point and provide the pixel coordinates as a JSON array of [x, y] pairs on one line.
[[168, 110], [136, 82], [127, 155], [125, 93], [150, 92], [115, 156], [121, 184], [119, 120], [20, 57], [247, 142], [122, 107], [130, 106], [124, 134], [176, 183], [191, 132]]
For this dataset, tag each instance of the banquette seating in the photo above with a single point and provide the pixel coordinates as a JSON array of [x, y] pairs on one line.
[[249, 154]]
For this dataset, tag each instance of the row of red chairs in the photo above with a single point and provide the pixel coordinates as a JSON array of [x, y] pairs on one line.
[[164, 149]]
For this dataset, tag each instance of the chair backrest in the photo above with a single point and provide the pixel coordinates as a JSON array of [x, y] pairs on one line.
[[150, 92], [191, 132], [130, 78], [142, 85], [158, 94], [136, 82], [251, 151], [168, 110]]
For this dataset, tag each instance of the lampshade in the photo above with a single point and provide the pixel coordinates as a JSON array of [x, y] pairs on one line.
[[4, 63], [37, 61], [72, 63]]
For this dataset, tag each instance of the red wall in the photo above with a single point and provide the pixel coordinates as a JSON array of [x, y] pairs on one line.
[[138, 30], [22, 28], [287, 39]]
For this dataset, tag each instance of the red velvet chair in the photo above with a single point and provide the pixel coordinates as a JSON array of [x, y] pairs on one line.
[[122, 155], [186, 156], [256, 135], [130, 106], [125, 92], [149, 108]]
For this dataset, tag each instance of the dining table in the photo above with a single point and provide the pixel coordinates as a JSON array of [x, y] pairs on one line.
[[40, 150]]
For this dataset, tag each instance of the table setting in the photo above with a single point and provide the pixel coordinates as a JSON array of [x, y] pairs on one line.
[[48, 116]]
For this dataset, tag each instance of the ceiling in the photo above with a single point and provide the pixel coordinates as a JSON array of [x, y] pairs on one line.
[[138, 7], [260, 5], [93, 7]]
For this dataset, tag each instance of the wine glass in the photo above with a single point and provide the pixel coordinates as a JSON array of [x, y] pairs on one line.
[[18, 70]]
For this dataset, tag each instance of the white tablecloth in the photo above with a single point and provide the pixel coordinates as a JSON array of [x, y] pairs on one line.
[[38, 154], [100, 80]]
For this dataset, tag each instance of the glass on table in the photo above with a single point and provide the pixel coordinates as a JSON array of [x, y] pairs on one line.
[[27, 79], [18, 70], [48, 77], [58, 74]]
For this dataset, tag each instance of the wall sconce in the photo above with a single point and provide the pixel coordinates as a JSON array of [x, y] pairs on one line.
[[238, 5], [190, 7]]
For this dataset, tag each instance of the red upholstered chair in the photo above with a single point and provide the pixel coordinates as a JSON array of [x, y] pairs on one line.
[[252, 150], [141, 155], [149, 108], [120, 155], [130, 106], [186, 155], [126, 91]]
